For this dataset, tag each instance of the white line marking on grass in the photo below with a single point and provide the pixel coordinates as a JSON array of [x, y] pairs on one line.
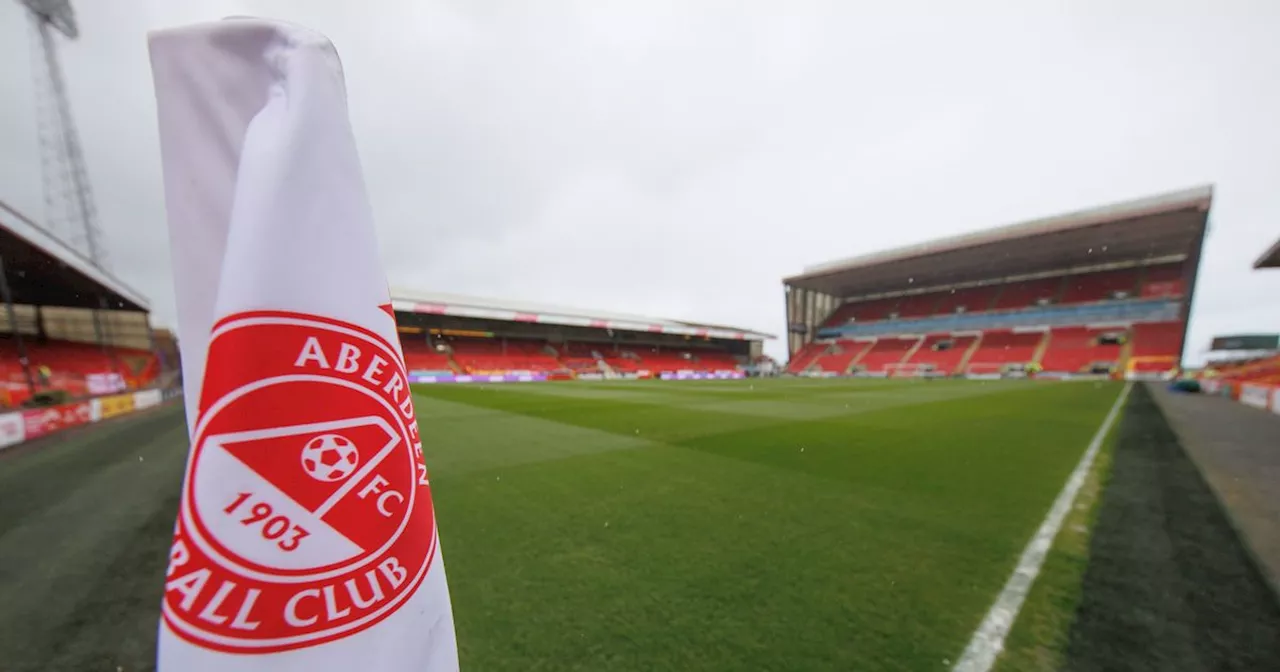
[[988, 640]]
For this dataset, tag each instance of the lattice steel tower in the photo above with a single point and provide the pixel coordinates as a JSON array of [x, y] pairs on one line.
[[70, 213]]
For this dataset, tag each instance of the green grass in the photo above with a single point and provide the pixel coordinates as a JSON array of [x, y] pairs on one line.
[[767, 525], [1040, 637]]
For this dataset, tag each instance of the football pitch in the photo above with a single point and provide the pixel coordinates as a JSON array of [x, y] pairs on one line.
[[697, 525]]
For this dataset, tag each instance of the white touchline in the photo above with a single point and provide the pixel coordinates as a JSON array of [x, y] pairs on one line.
[[988, 639]]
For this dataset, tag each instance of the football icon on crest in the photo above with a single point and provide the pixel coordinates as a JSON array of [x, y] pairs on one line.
[[330, 457]]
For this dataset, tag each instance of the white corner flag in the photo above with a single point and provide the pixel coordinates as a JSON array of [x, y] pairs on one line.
[[306, 538]]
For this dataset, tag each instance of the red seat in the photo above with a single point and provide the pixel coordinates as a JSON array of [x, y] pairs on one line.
[[1001, 347], [946, 360], [805, 356], [1156, 346], [888, 350], [862, 311], [1074, 349], [973, 300], [1100, 286], [837, 357], [920, 305], [69, 363], [1026, 294], [1163, 281]]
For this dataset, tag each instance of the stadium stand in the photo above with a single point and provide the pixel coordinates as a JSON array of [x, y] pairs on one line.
[[68, 326], [1087, 293], [449, 338]]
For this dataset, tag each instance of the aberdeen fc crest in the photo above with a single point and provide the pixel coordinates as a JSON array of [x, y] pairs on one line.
[[306, 514]]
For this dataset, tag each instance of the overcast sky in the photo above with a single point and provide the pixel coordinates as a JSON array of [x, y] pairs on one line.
[[679, 158]]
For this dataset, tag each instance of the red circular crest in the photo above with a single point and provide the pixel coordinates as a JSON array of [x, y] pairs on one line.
[[306, 513]]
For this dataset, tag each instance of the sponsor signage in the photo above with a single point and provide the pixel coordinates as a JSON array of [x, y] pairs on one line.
[[147, 399], [38, 422], [11, 430], [116, 404], [104, 383], [1258, 396]]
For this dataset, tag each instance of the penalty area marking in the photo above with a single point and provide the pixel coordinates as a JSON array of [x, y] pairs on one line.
[[988, 640]]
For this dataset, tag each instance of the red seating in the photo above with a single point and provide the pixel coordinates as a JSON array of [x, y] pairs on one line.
[[1074, 349], [1163, 281], [973, 300], [944, 361], [582, 350], [1159, 340], [920, 305], [69, 363], [1265, 370], [862, 311], [837, 359], [479, 355], [805, 356], [620, 360], [665, 360], [1026, 294], [579, 356], [716, 361], [1006, 347], [886, 351], [1100, 286], [420, 356]]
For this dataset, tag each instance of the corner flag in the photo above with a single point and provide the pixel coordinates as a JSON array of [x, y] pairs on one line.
[[306, 537]]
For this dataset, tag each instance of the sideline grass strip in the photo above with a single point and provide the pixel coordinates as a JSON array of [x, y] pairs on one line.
[[988, 639], [1039, 638]]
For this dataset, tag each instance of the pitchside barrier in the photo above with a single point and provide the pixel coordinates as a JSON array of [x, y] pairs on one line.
[[19, 426], [1257, 395]]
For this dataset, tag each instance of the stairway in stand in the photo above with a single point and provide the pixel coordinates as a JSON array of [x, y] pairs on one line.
[[973, 347]]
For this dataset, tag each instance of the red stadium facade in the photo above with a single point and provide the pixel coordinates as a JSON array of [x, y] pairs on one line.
[[449, 338], [1105, 291]]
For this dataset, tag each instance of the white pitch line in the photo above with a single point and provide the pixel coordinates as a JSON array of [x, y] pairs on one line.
[[988, 640]]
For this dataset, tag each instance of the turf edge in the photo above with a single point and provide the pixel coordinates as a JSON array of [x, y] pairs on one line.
[[1039, 637]]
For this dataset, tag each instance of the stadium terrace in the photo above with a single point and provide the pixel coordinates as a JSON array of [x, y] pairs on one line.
[[1101, 292], [448, 338]]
